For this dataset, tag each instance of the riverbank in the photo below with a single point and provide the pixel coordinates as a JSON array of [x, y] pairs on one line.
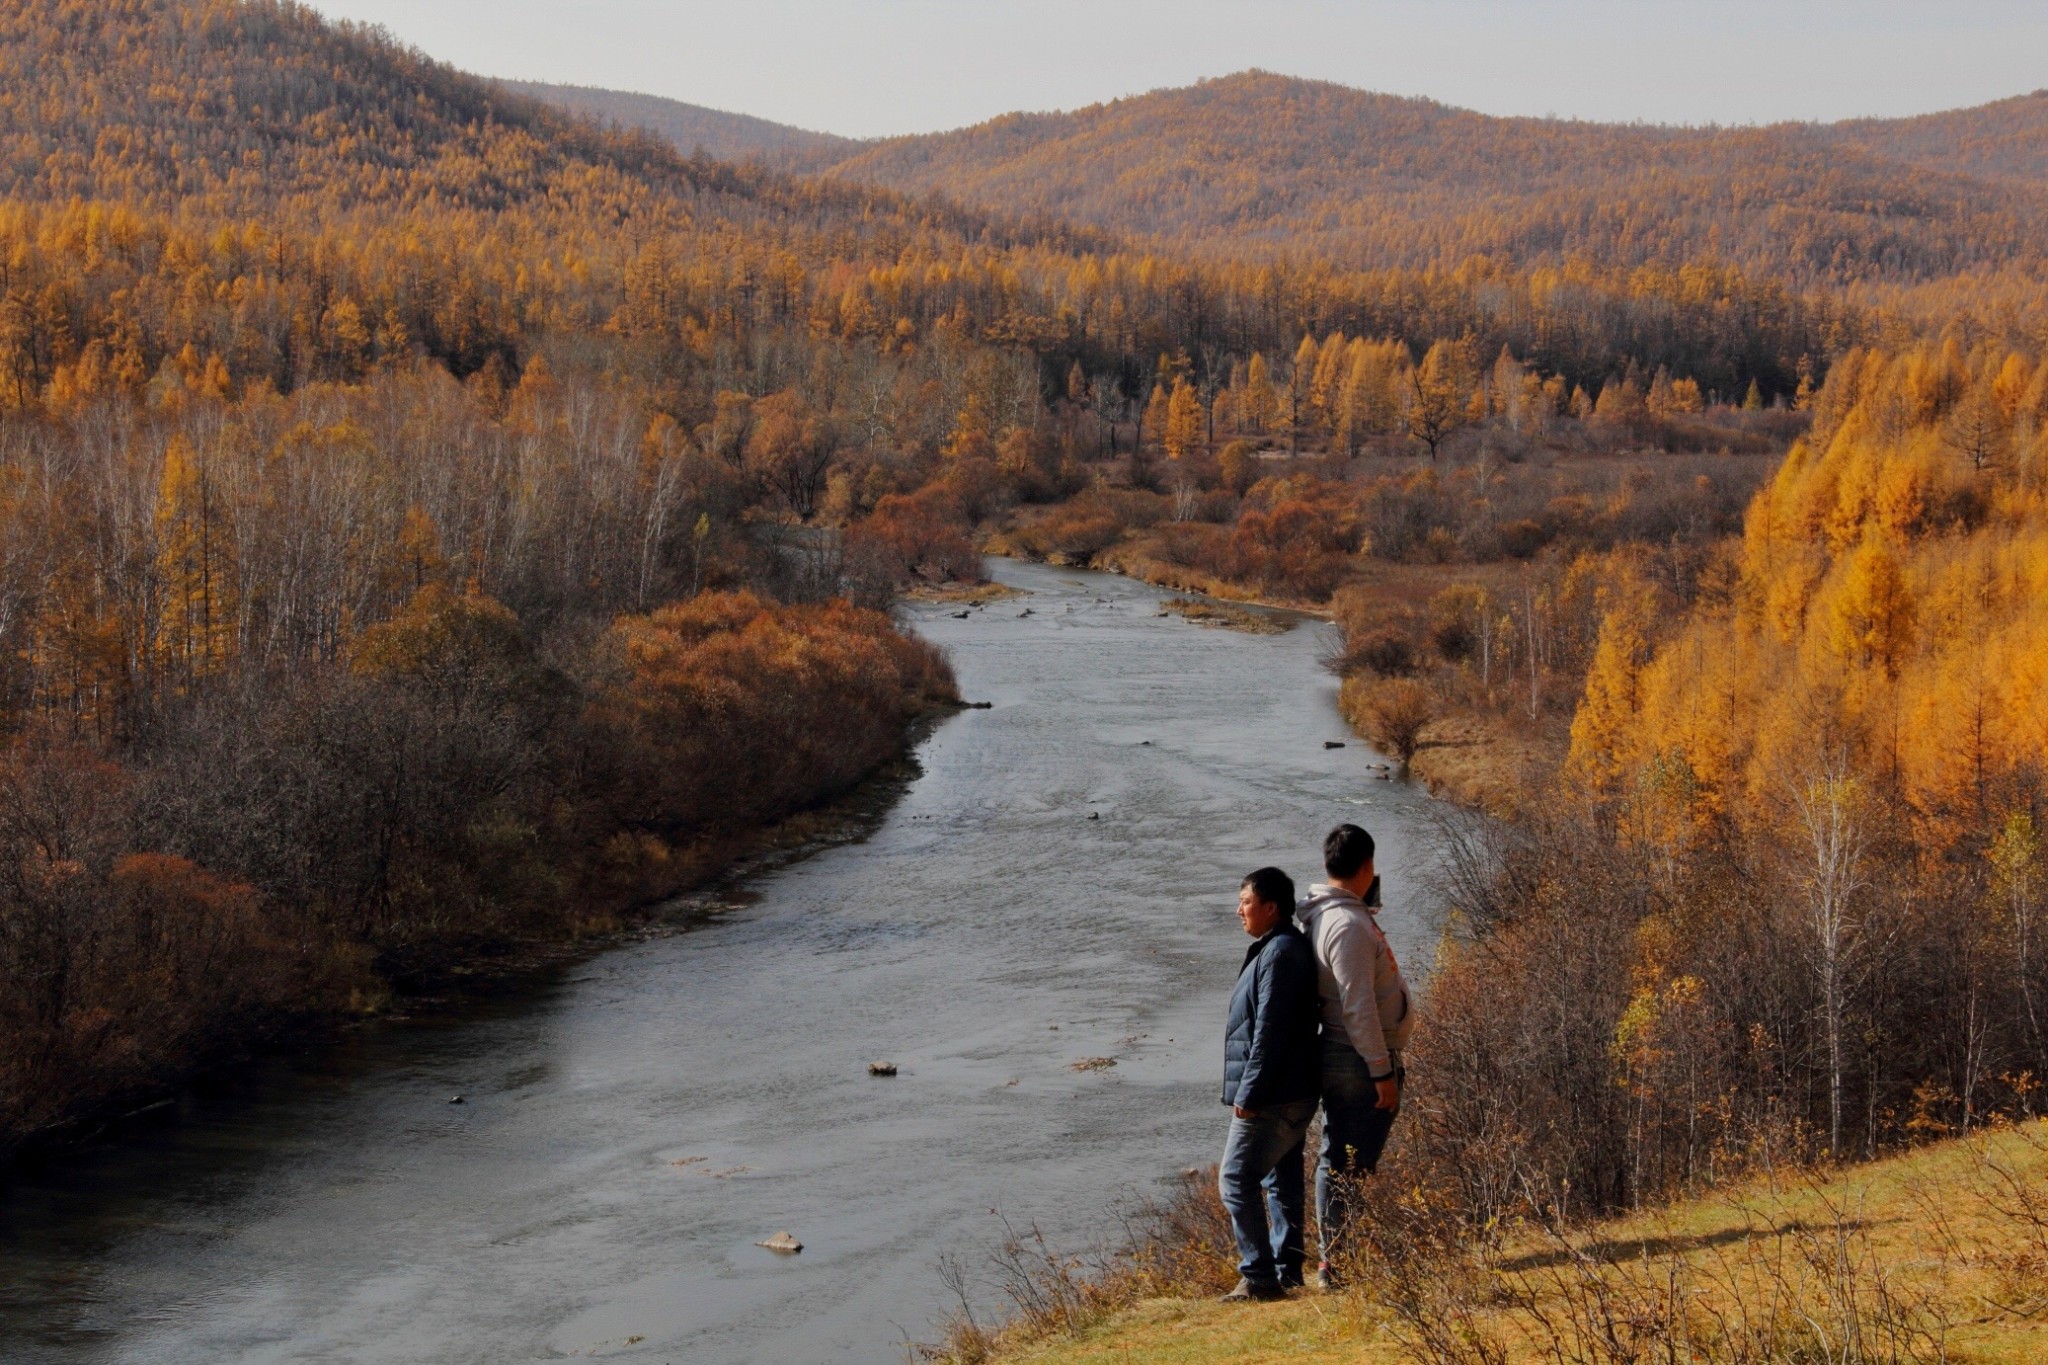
[[445, 986], [1940, 1254], [448, 806], [1480, 760]]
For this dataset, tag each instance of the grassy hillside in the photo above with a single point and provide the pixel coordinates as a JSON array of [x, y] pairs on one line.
[[691, 127], [1938, 1255]]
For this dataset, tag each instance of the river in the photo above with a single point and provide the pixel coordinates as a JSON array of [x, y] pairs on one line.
[[1057, 884]]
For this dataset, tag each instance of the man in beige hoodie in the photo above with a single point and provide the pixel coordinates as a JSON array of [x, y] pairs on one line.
[[1366, 1022]]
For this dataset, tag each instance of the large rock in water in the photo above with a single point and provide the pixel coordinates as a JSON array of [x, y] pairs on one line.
[[782, 1242]]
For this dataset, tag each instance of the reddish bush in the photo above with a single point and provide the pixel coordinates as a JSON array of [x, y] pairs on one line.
[[1522, 538], [118, 967], [1297, 549], [801, 700], [919, 536]]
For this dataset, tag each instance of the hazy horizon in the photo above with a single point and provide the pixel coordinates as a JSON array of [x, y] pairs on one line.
[[876, 68]]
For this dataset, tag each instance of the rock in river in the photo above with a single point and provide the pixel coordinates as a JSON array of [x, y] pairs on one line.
[[881, 1068], [782, 1242]]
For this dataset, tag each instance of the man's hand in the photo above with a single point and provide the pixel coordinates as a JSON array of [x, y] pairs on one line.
[[1390, 1092], [1243, 1112]]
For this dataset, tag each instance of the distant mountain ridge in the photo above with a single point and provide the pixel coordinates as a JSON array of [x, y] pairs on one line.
[[2003, 140], [238, 107], [262, 108], [691, 127], [1270, 162], [1260, 164], [252, 106]]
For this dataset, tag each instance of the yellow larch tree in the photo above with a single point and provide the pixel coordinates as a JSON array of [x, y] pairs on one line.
[[198, 619], [1256, 410], [1872, 617], [1183, 421], [1604, 732], [1440, 394]]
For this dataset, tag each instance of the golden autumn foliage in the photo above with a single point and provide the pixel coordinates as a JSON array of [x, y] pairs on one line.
[[1786, 893], [1607, 710], [196, 562], [1258, 163], [1183, 425], [1890, 599]]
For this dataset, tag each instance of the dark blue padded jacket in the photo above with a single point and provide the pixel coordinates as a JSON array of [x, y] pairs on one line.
[[1270, 1051]]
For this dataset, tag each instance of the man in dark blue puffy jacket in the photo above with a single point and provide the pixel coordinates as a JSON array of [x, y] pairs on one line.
[[1270, 1075]]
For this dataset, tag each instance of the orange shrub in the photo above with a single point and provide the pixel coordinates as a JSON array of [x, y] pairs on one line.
[[728, 709], [921, 535]]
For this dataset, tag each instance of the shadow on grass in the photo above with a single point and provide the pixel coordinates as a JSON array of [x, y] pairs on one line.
[[1611, 1251]]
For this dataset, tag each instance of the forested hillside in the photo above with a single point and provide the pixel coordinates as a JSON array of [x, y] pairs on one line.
[[2004, 140], [1269, 165], [343, 635], [691, 127], [1291, 167], [223, 107]]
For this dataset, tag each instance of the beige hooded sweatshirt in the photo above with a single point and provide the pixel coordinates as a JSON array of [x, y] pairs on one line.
[[1365, 1001]]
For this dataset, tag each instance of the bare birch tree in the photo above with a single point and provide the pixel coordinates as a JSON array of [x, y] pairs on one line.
[[1829, 806]]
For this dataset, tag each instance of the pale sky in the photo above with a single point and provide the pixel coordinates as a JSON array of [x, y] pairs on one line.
[[867, 68]]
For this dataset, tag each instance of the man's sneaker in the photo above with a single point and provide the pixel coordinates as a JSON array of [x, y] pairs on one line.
[[1326, 1278], [1247, 1292]]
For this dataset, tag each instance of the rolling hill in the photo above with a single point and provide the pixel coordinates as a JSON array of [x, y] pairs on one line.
[[1269, 163], [260, 107], [1259, 164], [2005, 140], [691, 127]]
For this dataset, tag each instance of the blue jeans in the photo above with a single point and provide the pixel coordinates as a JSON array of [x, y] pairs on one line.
[[1262, 1171], [1354, 1134]]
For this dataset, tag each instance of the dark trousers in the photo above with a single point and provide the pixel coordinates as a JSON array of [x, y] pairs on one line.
[[1355, 1132]]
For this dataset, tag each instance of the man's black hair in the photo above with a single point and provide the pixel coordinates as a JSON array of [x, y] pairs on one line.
[[1273, 887], [1346, 850]]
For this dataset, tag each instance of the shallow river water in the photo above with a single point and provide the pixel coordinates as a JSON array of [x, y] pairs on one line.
[[633, 1126]]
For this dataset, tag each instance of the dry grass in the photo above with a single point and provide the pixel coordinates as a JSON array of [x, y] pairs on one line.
[[1227, 615], [1936, 1256], [959, 594], [1484, 760], [1133, 558], [1477, 758], [1045, 1295]]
